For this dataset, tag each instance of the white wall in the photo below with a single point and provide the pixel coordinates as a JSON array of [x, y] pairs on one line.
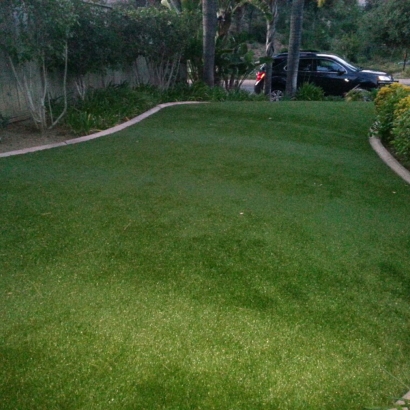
[[12, 100]]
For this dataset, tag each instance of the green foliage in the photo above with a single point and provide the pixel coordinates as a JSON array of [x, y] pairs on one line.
[[393, 118], [35, 30], [4, 121], [199, 91], [401, 134], [386, 103], [104, 108], [332, 27], [233, 62], [402, 106], [193, 57], [96, 43], [358, 94], [162, 36], [309, 92], [388, 23]]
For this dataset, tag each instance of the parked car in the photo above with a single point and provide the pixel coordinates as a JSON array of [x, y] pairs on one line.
[[335, 75]]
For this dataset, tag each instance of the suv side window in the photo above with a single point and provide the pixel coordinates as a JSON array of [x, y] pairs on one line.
[[325, 65], [305, 64], [279, 65]]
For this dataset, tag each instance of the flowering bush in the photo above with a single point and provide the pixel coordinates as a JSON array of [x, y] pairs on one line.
[[401, 129], [385, 93], [402, 106], [386, 102]]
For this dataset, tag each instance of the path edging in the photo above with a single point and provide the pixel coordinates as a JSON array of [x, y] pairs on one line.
[[388, 159], [99, 134]]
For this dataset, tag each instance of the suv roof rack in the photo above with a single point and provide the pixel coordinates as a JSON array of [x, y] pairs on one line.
[[302, 53]]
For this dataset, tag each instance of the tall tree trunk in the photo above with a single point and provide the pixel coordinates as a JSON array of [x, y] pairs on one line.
[[209, 8], [294, 47], [271, 20], [238, 20]]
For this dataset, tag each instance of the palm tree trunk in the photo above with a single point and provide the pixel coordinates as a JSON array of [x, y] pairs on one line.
[[271, 20], [294, 47], [209, 24]]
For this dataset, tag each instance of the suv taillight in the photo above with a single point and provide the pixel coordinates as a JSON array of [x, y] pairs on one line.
[[260, 75]]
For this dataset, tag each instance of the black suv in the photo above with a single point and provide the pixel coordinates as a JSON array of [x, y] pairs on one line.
[[330, 72]]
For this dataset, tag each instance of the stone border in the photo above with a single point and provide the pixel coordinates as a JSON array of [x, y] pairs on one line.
[[389, 160], [405, 397], [109, 131]]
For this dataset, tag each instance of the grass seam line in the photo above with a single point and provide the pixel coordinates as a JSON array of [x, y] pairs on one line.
[[388, 159], [99, 134]]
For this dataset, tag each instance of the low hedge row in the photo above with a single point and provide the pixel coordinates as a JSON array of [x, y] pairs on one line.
[[393, 118]]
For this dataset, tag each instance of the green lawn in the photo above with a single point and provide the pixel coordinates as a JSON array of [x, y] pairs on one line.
[[219, 256]]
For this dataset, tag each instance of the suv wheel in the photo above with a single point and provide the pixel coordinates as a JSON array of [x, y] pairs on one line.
[[276, 94]]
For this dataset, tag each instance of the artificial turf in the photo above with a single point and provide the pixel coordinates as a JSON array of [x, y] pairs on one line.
[[218, 256]]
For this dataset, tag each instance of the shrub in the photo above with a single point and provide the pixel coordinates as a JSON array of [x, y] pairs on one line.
[[104, 108], [4, 121], [390, 91], [163, 37], [358, 94], [310, 92], [402, 106], [199, 91], [386, 103], [401, 133]]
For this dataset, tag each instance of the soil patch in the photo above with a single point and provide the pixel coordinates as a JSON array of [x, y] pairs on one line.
[[23, 134]]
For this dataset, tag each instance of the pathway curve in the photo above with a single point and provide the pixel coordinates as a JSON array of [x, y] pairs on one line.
[[98, 134]]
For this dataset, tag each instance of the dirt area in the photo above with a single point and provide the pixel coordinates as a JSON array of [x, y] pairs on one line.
[[23, 134]]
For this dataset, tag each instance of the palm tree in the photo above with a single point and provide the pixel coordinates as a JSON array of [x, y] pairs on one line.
[[209, 8], [271, 19], [295, 38], [269, 9]]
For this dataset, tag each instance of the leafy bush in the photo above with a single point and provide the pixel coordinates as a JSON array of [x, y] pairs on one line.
[[310, 92], [401, 134], [163, 37], [389, 91], [104, 108], [233, 62], [402, 106], [4, 121], [199, 91], [358, 94], [386, 103]]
